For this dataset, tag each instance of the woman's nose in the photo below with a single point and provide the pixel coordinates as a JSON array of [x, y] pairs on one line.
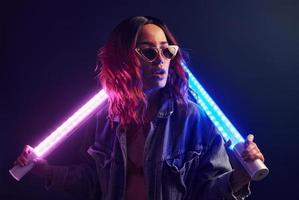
[[159, 60]]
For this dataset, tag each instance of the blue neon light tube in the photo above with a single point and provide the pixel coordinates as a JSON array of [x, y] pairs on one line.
[[256, 169], [222, 123]]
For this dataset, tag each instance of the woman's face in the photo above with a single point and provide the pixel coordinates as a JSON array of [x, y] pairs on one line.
[[154, 73]]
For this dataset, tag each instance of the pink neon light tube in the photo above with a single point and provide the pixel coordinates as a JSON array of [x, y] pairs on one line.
[[61, 133]]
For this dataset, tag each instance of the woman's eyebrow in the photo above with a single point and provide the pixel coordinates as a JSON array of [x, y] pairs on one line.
[[150, 43]]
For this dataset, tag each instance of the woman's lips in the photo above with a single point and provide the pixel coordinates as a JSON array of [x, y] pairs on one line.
[[159, 73], [159, 76]]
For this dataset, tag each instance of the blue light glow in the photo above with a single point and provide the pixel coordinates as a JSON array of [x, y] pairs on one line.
[[221, 122]]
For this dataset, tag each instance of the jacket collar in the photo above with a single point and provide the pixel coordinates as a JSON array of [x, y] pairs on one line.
[[166, 109]]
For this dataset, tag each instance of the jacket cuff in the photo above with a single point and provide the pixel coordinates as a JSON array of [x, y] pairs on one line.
[[56, 177], [243, 193]]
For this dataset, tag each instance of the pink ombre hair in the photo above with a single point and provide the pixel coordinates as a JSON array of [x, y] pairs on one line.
[[120, 71]]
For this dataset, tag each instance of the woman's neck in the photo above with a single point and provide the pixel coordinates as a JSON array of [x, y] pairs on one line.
[[153, 103]]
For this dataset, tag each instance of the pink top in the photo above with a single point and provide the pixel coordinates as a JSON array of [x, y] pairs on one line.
[[135, 177]]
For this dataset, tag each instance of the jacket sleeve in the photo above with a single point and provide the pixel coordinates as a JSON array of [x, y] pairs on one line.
[[78, 180], [213, 175]]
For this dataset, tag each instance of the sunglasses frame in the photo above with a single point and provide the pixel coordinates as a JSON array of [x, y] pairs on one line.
[[159, 51]]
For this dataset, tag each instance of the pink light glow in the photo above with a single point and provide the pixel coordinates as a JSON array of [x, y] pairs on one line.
[[70, 125]]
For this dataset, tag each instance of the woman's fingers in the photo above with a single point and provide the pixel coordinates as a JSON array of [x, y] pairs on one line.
[[249, 139], [251, 152], [251, 147], [251, 157], [22, 160], [27, 149]]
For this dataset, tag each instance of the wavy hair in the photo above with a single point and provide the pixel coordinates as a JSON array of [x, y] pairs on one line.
[[120, 71]]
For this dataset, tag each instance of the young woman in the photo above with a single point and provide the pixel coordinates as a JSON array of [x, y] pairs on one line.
[[151, 141]]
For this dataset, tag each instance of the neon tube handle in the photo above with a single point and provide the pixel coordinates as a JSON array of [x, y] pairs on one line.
[[18, 172], [256, 169]]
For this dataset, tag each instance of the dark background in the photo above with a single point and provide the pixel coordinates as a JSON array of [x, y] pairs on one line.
[[246, 54]]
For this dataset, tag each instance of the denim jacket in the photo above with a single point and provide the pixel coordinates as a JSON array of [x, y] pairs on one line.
[[184, 158]]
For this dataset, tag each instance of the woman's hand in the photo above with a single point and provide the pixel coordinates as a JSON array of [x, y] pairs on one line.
[[41, 165], [252, 152], [239, 176]]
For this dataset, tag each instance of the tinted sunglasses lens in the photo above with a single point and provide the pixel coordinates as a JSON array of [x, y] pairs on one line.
[[149, 53], [169, 52]]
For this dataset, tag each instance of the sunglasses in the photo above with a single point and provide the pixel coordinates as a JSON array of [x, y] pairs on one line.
[[150, 54]]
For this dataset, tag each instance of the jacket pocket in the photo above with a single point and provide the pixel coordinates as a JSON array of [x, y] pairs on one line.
[[102, 158], [183, 161], [177, 173]]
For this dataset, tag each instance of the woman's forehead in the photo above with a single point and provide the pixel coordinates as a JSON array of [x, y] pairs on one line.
[[151, 34]]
